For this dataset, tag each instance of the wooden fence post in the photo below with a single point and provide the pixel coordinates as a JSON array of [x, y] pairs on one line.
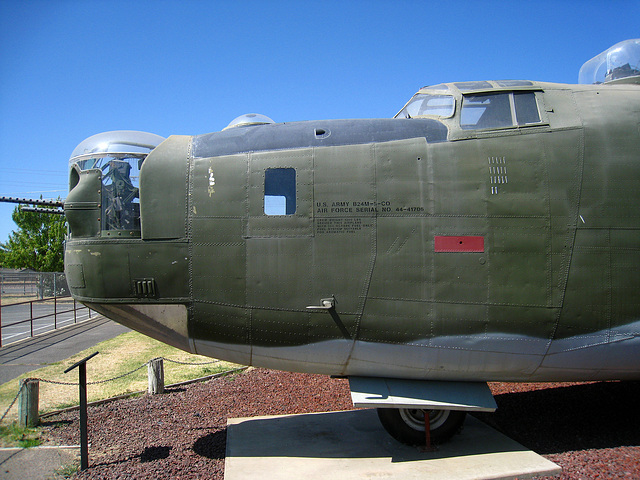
[[156, 376], [28, 403]]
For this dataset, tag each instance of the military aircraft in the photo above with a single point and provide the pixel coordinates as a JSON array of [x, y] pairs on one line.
[[490, 231]]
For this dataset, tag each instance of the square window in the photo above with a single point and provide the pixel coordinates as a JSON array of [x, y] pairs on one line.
[[280, 191]]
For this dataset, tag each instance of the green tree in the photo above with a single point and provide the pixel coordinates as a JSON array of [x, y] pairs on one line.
[[38, 242]]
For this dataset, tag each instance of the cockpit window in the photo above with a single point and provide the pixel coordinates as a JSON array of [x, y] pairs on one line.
[[485, 111], [526, 108], [423, 105], [470, 86], [499, 110], [514, 83]]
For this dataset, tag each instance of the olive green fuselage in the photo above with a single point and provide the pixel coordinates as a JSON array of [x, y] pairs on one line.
[[503, 253]]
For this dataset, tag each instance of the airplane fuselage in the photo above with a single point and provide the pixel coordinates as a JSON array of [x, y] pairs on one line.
[[453, 247]]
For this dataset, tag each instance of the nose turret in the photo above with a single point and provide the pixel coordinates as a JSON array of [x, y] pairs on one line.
[[104, 174]]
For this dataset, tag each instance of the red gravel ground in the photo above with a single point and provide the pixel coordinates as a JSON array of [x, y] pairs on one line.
[[591, 430]]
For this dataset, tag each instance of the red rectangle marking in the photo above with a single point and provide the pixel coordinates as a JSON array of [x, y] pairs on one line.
[[466, 244]]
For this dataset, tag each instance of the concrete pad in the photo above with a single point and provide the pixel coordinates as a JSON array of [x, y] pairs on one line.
[[37, 463], [353, 445]]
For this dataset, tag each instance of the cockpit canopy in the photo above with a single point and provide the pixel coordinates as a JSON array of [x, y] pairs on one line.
[[618, 62], [437, 103]]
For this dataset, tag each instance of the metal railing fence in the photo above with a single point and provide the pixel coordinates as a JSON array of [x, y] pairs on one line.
[[35, 302]]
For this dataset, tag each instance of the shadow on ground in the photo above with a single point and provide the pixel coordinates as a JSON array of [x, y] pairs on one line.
[[579, 417]]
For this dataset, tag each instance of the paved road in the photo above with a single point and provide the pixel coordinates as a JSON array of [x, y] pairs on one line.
[[40, 463], [16, 323], [36, 352]]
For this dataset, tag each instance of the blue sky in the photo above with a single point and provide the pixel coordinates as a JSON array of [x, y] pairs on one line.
[[70, 69]]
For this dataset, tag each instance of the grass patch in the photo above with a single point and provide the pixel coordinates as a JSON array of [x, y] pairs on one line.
[[11, 299], [12, 435], [68, 471], [117, 357]]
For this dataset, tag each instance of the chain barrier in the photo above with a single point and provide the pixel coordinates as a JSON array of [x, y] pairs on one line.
[[118, 377], [187, 363], [14, 401], [55, 382]]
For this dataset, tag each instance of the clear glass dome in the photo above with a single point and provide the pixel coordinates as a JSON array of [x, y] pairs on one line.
[[249, 119], [116, 143], [620, 61]]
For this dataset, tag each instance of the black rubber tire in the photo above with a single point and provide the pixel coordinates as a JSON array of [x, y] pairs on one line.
[[407, 425]]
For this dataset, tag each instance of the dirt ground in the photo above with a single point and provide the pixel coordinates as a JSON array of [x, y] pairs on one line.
[[591, 430]]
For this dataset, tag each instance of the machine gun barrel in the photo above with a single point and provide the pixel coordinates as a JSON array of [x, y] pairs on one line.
[[53, 211], [42, 203], [32, 201]]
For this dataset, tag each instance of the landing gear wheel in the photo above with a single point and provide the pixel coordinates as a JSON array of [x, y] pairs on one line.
[[407, 425]]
